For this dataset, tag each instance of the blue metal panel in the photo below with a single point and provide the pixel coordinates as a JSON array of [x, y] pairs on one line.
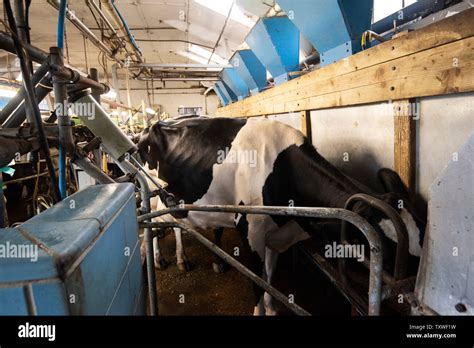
[[13, 269], [135, 278], [235, 83], [106, 260], [93, 248], [276, 43], [222, 93], [250, 69], [334, 27], [51, 298], [227, 92], [12, 301]]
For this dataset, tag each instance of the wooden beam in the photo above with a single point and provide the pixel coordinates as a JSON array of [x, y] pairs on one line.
[[306, 124], [405, 143], [378, 74]]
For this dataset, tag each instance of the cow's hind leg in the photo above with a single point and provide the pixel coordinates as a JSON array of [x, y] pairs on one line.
[[218, 265], [271, 258], [160, 261], [181, 258], [258, 267]]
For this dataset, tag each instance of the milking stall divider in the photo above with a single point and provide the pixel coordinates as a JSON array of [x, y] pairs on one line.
[[345, 79]]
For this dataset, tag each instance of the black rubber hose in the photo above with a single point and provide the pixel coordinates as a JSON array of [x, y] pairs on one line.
[[31, 98]]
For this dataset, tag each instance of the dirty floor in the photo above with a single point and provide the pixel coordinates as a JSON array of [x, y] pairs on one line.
[[200, 291]]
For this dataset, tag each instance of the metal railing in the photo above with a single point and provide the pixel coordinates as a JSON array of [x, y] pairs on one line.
[[375, 264]]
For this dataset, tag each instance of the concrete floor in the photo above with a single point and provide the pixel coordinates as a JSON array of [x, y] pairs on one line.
[[230, 293]]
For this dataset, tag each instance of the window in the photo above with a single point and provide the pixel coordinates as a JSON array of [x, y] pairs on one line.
[[189, 110], [384, 8]]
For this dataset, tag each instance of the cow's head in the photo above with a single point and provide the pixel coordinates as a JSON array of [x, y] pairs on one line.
[[143, 143], [414, 225]]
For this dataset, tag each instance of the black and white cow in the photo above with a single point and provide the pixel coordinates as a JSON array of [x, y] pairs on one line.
[[228, 161]]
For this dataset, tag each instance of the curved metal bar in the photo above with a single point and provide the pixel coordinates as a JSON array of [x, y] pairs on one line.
[[233, 262], [376, 259], [401, 257]]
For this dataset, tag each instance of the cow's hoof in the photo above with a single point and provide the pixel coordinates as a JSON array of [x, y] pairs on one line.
[[258, 311], [219, 267], [270, 312], [161, 264], [184, 266]]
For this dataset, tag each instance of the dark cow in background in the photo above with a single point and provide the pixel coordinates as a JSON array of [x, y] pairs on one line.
[[228, 161]]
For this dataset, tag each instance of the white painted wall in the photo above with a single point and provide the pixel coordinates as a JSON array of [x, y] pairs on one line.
[[366, 134], [358, 140], [170, 101], [445, 125]]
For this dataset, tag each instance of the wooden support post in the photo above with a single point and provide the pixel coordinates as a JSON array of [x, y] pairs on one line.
[[306, 124], [406, 115]]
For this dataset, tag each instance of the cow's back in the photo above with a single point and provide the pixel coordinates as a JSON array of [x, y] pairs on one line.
[[241, 176]]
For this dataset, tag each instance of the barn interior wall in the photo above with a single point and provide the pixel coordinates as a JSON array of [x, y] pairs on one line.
[[171, 101], [360, 139], [445, 125]]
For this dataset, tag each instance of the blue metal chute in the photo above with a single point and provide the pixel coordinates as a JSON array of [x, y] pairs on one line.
[[275, 41], [224, 93], [250, 70], [235, 83], [223, 96], [334, 27]]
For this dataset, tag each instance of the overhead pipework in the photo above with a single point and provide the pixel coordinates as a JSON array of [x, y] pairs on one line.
[[110, 52], [121, 24]]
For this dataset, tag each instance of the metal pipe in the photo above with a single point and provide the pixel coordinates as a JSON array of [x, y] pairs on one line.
[[401, 258], [129, 98], [3, 206], [203, 79], [331, 273], [174, 40], [167, 198], [31, 98], [30, 299], [116, 83], [179, 66], [375, 244], [43, 88], [86, 32], [420, 8], [236, 264], [19, 98], [74, 77], [312, 59], [36, 55], [94, 76], [402, 286], [66, 140], [92, 170], [102, 16], [39, 56], [145, 194], [19, 8], [110, 9]]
